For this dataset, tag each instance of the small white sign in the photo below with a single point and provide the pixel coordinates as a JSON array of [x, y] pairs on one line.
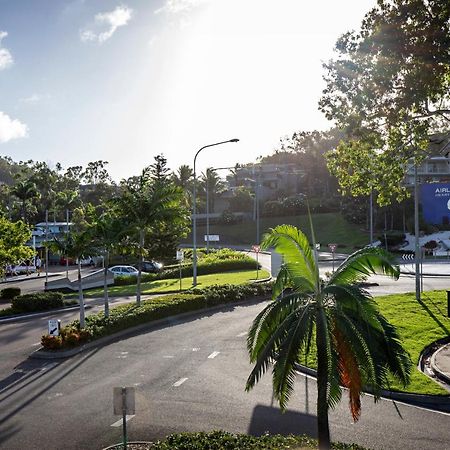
[[212, 238], [332, 247], [256, 248], [124, 401], [53, 327], [180, 255], [317, 246]]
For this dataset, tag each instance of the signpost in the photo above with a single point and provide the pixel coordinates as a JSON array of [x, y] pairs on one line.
[[212, 238], [123, 400], [180, 259], [332, 248], [256, 249], [54, 327]]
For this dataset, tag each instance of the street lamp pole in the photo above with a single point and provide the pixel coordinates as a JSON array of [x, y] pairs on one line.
[[194, 211]]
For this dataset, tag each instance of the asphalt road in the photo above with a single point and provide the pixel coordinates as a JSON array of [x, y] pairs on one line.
[[188, 376]]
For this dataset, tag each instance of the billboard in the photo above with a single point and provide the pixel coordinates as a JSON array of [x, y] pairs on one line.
[[435, 201]]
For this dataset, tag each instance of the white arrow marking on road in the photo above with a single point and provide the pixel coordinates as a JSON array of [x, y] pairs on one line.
[[242, 334], [120, 421], [196, 349], [179, 382], [213, 355]]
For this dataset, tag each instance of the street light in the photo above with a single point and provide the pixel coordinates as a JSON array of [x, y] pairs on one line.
[[194, 217]]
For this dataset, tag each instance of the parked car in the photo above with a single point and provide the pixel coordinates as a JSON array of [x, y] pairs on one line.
[[151, 266], [126, 271]]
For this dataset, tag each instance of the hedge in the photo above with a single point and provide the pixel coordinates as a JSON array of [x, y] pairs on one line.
[[129, 315], [39, 301], [9, 293], [220, 440]]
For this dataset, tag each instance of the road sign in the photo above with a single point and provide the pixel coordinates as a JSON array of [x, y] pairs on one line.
[[212, 238], [124, 401], [256, 248], [408, 256], [53, 327], [332, 247], [317, 246], [180, 255]]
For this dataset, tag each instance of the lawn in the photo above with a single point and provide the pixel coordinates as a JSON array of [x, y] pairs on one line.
[[419, 324], [173, 284], [328, 228]]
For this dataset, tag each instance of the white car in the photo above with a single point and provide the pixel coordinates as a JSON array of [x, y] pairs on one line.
[[126, 271]]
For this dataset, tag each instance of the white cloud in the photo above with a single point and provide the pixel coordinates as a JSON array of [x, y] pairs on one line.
[[11, 128], [180, 6], [32, 99], [6, 59], [112, 20]]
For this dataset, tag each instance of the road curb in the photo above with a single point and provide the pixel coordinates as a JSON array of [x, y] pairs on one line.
[[19, 317], [45, 354], [439, 374], [434, 402], [34, 277]]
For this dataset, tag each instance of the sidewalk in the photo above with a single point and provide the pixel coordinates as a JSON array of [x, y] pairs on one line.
[[430, 269]]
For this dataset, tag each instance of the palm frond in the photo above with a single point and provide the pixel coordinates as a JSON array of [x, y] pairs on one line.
[[363, 263], [293, 245]]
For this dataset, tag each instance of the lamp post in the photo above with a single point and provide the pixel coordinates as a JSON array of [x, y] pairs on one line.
[[194, 212]]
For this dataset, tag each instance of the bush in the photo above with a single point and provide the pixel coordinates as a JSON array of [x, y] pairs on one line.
[[392, 239], [51, 342], [39, 301], [9, 293], [218, 440]]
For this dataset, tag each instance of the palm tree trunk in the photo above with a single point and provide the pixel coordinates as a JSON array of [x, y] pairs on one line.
[[141, 249], [80, 295], [322, 384], [105, 284]]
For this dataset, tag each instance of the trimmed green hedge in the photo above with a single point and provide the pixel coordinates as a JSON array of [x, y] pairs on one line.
[[38, 301], [221, 440], [9, 293], [129, 315]]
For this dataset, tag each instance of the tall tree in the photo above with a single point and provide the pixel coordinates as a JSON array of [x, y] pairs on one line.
[[25, 190], [389, 87], [335, 319], [211, 182], [144, 204]]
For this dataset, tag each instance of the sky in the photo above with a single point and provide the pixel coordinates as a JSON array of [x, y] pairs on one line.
[[84, 80]]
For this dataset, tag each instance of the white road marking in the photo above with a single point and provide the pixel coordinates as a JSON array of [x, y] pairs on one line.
[[179, 382], [196, 349], [242, 334], [35, 345], [213, 355], [168, 356], [119, 422], [49, 366]]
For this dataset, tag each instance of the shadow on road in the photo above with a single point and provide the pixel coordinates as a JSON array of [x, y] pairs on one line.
[[271, 419]]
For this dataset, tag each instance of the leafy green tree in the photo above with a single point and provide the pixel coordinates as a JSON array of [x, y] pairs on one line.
[[183, 177], [335, 319], [210, 180], [108, 230], [13, 236], [77, 244], [389, 89]]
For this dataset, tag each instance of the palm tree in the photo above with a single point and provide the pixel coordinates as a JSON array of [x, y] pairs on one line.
[[142, 205], [336, 319], [76, 245], [25, 190], [211, 182], [107, 232]]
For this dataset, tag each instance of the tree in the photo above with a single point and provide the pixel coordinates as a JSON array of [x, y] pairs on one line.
[[13, 236], [145, 204], [336, 319], [210, 181], [389, 87], [77, 244], [25, 190], [107, 232]]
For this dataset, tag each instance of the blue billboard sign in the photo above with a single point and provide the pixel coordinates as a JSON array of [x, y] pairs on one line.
[[435, 200]]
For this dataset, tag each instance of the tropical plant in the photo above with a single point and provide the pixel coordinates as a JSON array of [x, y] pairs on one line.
[[335, 319], [25, 190]]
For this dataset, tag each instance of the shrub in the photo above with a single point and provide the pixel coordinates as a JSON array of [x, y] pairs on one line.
[[392, 239], [10, 293], [51, 342], [39, 301]]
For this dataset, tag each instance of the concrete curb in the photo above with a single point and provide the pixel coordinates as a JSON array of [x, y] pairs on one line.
[[45, 354], [19, 317], [33, 277], [441, 375], [434, 402]]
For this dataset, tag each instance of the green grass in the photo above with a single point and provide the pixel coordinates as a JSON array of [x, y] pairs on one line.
[[329, 227], [173, 284], [419, 324]]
